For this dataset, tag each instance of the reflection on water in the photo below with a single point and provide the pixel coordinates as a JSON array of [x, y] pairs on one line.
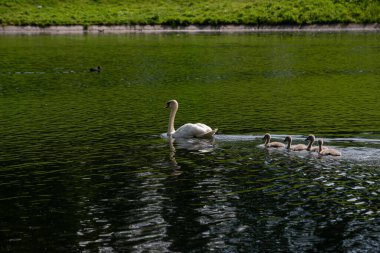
[[83, 167]]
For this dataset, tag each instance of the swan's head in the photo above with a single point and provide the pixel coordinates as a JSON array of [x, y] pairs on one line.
[[310, 138], [320, 142], [288, 139], [266, 137], [172, 104]]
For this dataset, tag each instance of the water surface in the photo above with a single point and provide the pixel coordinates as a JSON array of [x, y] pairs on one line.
[[84, 166]]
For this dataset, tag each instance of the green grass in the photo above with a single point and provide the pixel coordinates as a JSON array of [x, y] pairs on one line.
[[181, 12]]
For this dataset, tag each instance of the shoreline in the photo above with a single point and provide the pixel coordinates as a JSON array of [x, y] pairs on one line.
[[124, 29]]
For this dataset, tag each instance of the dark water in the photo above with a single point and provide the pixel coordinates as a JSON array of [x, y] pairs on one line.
[[84, 166]]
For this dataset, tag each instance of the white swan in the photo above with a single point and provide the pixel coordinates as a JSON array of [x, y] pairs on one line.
[[274, 144], [298, 147], [189, 130], [327, 151], [311, 139]]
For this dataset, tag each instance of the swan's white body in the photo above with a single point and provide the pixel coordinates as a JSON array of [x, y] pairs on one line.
[[274, 144], [189, 130], [298, 147], [327, 151]]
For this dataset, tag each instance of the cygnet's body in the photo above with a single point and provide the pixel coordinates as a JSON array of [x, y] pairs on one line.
[[298, 147], [189, 130], [327, 151], [274, 144]]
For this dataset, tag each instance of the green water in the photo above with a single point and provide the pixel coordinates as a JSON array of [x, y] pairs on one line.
[[84, 167]]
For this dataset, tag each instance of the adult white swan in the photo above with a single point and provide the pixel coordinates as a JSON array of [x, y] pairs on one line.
[[189, 130]]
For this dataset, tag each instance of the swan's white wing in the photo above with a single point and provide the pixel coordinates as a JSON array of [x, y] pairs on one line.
[[191, 130]]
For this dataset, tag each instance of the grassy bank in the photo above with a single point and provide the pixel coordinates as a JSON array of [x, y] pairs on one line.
[[186, 12]]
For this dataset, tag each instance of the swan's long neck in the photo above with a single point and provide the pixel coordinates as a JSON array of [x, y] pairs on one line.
[[171, 129], [311, 141], [320, 146], [289, 143], [266, 141]]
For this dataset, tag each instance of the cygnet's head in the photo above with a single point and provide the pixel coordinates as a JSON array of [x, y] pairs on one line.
[[288, 139], [266, 136], [310, 138]]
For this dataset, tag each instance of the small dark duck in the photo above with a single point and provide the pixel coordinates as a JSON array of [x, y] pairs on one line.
[[98, 69]]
